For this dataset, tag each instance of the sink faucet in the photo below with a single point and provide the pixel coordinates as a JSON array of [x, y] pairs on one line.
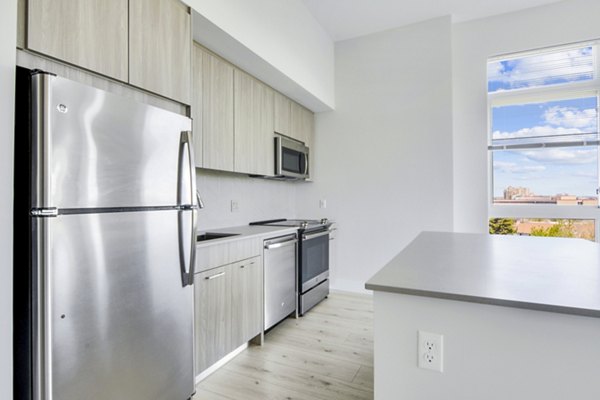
[[200, 202]]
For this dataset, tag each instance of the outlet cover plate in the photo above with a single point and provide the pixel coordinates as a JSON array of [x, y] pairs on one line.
[[430, 351]]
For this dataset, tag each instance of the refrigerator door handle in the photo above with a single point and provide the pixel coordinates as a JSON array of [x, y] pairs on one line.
[[186, 142], [192, 268], [41, 87], [187, 268]]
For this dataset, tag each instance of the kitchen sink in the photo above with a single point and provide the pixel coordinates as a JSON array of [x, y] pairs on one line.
[[213, 235]]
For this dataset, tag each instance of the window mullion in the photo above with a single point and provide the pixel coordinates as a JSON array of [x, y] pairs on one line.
[[564, 86]]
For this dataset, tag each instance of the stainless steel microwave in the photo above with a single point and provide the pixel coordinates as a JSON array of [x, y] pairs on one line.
[[291, 159]]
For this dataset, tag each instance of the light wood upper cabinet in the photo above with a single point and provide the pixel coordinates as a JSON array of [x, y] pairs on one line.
[[282, 118], [301, 123], [160, 45], [88, 33], [254, 140], [217, 113], [247, 292], [197, 104], [303, 129]]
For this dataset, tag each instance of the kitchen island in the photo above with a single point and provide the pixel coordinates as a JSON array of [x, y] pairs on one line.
[[520, 318]]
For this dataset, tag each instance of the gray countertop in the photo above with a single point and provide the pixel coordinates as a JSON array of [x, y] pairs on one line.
[[546, 274], [246, 232]]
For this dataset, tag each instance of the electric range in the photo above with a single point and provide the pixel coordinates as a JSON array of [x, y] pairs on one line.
[[313, 259]]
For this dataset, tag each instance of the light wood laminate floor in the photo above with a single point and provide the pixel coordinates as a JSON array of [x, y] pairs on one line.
[[325, 355]]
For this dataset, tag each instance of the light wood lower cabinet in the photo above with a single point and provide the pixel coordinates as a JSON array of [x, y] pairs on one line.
[[212, 298], [228, 309], [247, 284]]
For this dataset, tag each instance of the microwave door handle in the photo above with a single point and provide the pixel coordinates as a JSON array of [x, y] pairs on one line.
[[305, 164]]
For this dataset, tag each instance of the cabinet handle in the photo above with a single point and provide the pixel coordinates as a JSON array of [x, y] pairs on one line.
[[208, 278], [244, 265]]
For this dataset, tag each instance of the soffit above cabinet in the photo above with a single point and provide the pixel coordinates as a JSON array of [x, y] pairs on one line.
[[220, 42]]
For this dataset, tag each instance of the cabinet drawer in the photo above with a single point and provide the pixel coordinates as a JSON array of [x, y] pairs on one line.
[[215, 255]]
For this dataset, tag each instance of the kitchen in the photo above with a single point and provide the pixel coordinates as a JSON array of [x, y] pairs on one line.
[[381, 186]]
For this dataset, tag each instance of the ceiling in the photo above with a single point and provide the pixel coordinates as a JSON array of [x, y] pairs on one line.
[[345, 19]]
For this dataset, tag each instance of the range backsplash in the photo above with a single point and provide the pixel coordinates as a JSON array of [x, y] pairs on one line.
[[257, 199]]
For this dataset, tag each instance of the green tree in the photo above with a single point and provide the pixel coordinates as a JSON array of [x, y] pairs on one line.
[[563, 228], [502, 226]]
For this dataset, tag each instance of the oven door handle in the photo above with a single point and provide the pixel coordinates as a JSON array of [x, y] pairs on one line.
[[316, 235], [280, 244]]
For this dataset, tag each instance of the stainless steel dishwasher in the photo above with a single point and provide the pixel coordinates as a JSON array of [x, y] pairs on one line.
[[280, 255]]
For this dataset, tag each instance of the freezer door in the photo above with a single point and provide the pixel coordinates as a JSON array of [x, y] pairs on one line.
[[115, 320], [94, 149]]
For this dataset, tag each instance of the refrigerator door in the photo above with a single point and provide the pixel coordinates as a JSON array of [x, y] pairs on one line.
[[94, 149], [114, 318]]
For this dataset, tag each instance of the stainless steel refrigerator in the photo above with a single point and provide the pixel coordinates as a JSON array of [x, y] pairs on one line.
[[105, 199]]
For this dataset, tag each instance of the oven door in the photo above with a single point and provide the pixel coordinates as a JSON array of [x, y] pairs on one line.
[[314, 259], [291, 159]]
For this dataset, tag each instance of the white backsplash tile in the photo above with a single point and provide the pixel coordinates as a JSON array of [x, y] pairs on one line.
[[258, 199]]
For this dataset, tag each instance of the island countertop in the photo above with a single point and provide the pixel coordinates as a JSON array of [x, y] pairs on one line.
[[546, 274]]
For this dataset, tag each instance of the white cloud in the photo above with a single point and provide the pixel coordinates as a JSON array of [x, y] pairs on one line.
[[543, 68], [513, 168], [536, 131], [563, 156], [571, 117]]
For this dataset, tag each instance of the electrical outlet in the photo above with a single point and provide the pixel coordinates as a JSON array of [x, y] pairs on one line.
[[234, 206], [431, 351], [323, 203]]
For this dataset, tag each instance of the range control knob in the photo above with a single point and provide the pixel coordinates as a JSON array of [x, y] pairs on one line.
[[324, 221], [303, 224]]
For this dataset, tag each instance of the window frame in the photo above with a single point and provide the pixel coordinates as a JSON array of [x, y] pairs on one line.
[[559, 91]]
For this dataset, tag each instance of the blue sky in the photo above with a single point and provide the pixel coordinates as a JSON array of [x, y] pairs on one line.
[[572, 170], [549, 171], [550, 68]]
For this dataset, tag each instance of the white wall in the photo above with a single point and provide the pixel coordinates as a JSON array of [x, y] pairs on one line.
[[8, 33], [284, 34], [475, 41], [383, 158], [489, 352], [258, 199]]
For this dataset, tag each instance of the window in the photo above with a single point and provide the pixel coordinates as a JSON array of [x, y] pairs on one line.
[[543, 140]]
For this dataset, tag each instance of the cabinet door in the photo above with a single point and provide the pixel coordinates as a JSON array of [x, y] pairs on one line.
[[160, 46], [303, 129], [282, 114], [217, 113], [254, 139], [88, 33], [302, 123], [247, 291], [212, 300], [196, 110]]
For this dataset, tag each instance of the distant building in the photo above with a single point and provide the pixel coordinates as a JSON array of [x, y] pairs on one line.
[[568, 200], [523, 195], [514, 193]]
